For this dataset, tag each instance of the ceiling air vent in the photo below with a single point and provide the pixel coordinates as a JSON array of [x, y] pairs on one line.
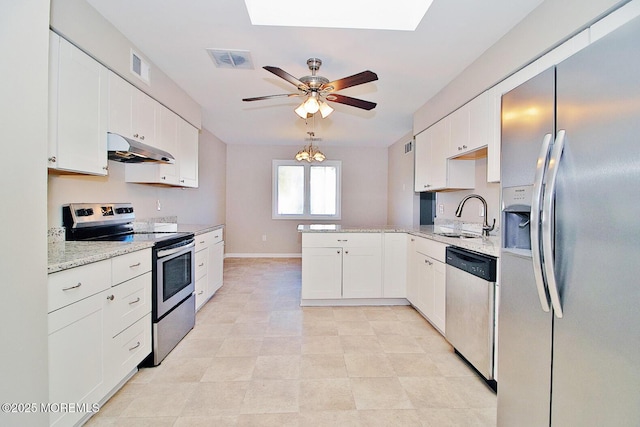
[[225, 58]]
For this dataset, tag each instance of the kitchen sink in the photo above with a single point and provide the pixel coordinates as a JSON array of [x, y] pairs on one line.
[[459, 235]]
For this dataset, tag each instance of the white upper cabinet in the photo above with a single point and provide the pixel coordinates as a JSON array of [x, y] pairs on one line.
[[434, 170], [132, 113], [77, 110], [188, 154]]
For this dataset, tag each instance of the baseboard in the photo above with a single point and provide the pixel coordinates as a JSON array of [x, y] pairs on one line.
[[263, 255]]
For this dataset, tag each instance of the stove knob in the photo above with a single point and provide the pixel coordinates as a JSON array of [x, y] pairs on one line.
[[81, 212], [121, 210], [130, 210], [89, 211]]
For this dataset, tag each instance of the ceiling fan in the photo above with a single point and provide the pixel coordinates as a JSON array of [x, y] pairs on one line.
[[319, 89]]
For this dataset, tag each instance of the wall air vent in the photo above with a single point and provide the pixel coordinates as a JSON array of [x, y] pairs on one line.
[[408, 147], [226, 58], [139, 67]]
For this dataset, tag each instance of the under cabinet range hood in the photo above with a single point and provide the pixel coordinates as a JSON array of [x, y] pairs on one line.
[[127, 150]]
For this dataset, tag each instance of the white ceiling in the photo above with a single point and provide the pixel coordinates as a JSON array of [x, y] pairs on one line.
[[412, 66]]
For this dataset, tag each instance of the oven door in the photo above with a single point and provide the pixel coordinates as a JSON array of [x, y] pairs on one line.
[[175, 266]]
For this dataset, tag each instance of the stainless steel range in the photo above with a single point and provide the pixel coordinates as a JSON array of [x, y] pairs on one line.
[[173, 263]]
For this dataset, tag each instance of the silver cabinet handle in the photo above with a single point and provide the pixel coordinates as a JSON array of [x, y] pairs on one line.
[[110, 297], [338, 251], [72, 287], [201, 264], [428, 262], [135, 135], [137, 300], [346, 252], [142, 137], [343, 240], [134, 265], [534, 221], [547, 222], [135, 346], [52, 159], [201, 292]]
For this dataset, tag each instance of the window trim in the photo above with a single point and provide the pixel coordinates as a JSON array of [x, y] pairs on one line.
[[306, 206]]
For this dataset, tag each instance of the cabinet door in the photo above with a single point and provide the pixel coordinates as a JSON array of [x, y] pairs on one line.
[[127, 303], [126, 350], [439, 154], [439, 295], [79, 99], [120, 106], [216, 267], [412, 271], [422, 161], [201, 290], [425, 285], [362, 272], [459, 140], [167, 140], [394, 283], [144, 117], [479, 112], [321, 273], [188, 154], [76, 356]]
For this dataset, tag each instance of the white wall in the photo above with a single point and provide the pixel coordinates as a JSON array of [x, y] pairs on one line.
[[403, 203], [364, 196], [24, 43], [203, 205]]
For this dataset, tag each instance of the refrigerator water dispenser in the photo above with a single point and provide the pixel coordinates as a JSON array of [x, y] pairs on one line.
[[516, 208]]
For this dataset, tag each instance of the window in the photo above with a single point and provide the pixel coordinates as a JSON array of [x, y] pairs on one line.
[[306, 190]]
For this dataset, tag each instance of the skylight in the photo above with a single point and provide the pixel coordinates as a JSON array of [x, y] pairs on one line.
[[403, 15]]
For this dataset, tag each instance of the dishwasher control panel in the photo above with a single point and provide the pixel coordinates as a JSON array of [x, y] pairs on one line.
[[479, 265]]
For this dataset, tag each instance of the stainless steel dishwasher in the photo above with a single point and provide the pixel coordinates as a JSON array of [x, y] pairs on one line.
[[470, 308]]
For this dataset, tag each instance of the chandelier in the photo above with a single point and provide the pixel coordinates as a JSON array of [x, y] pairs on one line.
[[310, 152]]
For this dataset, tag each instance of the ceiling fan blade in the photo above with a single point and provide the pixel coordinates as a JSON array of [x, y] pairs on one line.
[[260, 98], [356, 79], [286, 76], [354, 102]]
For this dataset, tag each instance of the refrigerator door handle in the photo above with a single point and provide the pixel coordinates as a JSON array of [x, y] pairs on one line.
[[547, 222], [534, 223]]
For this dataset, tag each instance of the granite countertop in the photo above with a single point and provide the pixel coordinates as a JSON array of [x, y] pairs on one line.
[[65, 255], [488, 246]]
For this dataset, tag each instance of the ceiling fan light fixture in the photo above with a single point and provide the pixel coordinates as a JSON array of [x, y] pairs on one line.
[[300, 111], [325, 109], [311, 104]]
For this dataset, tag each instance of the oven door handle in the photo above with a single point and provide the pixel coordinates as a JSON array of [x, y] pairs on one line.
[[167, 252]]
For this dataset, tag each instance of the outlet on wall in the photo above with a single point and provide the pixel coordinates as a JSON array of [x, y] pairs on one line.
[[264, 237], [158, 206], [440, 209]]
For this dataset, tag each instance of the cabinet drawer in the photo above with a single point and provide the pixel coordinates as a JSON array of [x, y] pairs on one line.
[[431, 248], [130, 265], [208, 239], [130, 347], [201, 263], [128, 302], [69, 286], [341, 239]]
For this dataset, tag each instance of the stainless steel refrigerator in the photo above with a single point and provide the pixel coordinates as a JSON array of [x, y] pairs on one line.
[[569, 320]]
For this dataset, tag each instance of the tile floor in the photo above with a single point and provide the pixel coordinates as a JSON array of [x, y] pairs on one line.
[[256, 358]]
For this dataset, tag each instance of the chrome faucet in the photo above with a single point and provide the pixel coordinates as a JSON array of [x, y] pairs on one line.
[[485, 225]]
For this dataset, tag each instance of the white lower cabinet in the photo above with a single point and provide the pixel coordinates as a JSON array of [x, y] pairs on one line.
[[209, 265], [99, 330], [395, 263], [76, 356], [341, 265], [427, 281]]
